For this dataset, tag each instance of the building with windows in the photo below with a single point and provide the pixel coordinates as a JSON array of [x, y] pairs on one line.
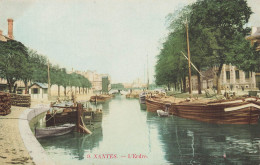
[[231, 77], [38, 91]]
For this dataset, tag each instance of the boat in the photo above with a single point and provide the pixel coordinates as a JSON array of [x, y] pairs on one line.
[[54, 130], [164, 113], [100, 98], [142, 96], [153, 104], [236, 111], [69, 115]]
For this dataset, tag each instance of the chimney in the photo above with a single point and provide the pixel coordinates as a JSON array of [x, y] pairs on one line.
[[10, 28], [1, 32]]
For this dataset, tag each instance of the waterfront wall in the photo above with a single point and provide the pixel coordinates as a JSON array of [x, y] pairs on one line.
[[34, 148]]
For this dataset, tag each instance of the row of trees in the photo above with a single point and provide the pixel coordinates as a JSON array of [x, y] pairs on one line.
[[20, 63], [217, 30]]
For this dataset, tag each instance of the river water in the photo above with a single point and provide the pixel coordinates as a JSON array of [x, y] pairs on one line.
[[130, 135]]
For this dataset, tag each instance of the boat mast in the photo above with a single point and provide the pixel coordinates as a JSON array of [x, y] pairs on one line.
[[188, 47], [49, 80], [147, 75]]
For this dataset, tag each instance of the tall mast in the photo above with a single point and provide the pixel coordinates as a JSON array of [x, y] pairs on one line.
[[188, 47], [147, 75], [49, 80]]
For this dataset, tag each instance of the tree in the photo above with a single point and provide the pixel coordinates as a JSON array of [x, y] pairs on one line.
[[13, 62], [216, 34], [223, 21], [40, 67]]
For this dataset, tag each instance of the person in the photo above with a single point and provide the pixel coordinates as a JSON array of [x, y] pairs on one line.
[[231, 87]]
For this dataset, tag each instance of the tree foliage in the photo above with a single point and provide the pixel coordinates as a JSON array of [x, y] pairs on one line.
[[216, 34], [20, 63], [13, 62]]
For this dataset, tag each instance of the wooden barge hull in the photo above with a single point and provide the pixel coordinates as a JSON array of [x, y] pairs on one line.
[[70, 117], [153, 105], [229, 112], [220, 114]]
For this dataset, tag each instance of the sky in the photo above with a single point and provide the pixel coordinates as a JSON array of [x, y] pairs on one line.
[[110, 36]]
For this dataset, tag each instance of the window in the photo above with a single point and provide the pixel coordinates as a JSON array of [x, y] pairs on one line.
[[237, 74], [35, 90], [228, 74], [247, 74]]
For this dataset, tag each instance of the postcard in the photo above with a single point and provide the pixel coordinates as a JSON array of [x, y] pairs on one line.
[[126, 82]]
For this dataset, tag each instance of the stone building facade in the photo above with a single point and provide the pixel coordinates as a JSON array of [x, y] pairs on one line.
[[231, 77], [95, 78]]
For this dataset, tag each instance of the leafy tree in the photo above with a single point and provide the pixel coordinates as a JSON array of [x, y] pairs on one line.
[[216, 31], [40, 67], [13, 62], [221, 21]]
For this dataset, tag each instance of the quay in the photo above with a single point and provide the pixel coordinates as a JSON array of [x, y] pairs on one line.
[[12, 146], [18, 145]]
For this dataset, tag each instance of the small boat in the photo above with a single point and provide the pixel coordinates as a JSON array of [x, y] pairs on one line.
[[54, 130], [142, 97], [164, 113]]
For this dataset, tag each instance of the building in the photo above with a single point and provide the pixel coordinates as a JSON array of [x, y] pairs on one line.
[[94, 78], [254, 37], [38, 91], [230, 77]]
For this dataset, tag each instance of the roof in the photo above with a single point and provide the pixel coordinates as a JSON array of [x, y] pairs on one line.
[[42, 85]]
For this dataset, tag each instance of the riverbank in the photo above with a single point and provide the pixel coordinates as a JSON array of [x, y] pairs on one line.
[[12, 147]]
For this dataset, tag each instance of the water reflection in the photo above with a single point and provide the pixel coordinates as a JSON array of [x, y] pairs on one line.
[[126, 129], [74, 143], [193, 142]]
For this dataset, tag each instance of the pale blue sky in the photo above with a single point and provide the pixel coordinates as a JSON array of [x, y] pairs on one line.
[[109, 36]]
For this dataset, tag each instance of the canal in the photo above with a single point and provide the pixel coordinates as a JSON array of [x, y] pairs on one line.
[[130, 135]]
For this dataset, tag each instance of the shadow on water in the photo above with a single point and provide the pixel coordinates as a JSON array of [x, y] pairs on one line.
[[192, 142], [74, 143]]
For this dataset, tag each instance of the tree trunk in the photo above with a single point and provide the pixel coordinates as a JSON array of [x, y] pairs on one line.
[[199, 83], [10, 85], [65, 92], [184, 85], [59, 90], [79, 90], [26, 87], [15, 88], [181, 84], [218, 79]]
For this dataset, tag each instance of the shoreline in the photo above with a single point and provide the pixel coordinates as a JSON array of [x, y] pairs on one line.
[[32, 145], [12, 148], [18, 145]]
